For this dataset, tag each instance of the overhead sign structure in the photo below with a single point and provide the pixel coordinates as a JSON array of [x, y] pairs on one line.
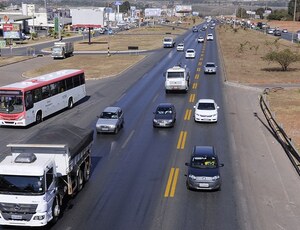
[[118, 3], [152, 12]]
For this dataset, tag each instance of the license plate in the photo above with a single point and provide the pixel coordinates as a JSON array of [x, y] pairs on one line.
[[16, 217], [203, 185], [105, 129]]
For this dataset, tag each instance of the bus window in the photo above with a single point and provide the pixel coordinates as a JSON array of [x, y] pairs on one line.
[[37, 95], [82, 79], [61, 86], [28, 100], [76, 81], [45, 92], [69, 83], [53, 89]]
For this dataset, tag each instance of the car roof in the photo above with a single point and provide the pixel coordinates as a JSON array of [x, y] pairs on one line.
[[165, 104], [111, 109], [190, 50], [210, 35], [180, 44], [203, 151], [206, 101]]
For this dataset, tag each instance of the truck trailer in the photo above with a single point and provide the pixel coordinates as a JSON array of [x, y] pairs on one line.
[[38, 174], [62, 50]]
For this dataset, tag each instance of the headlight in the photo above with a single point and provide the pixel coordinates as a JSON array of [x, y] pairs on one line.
[[215, 178], [39, 217], [169, 121], [154, 120], [192, 177], [21, 118]]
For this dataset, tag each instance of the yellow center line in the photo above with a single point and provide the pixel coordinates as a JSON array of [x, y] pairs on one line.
[[192, 97], [167, 191], [197, 76], [187, 115], [181, 140], [173, 188], [195, 85], [198, 69]]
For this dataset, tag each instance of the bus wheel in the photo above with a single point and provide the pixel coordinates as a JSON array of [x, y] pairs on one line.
[[39, 117], [80, 180], [70, 103]]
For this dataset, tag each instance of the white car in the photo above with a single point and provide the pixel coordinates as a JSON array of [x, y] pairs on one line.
[[190, 53], [180, 47], [200, 39], [210, 37], [206, 110], [210, 67]]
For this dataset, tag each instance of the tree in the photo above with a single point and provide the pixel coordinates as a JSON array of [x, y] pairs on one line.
[[125, 7], [242, 13], [279, 15], [291, 9], [260, 12], [284, 58]]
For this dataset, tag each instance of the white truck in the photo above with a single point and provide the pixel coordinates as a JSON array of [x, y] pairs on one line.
[[39, 174], [62, 49], [177, 78], [168, 42]]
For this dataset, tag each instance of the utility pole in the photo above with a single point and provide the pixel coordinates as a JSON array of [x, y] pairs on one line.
[[47, 28]]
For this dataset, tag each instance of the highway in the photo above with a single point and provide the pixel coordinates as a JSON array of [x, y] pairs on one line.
[[138, 176]]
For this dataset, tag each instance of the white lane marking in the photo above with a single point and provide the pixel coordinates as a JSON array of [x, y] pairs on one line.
[[128, 139]]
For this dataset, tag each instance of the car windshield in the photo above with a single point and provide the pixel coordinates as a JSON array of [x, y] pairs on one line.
[[204, 162], [21, 184], [164, 110], [190, 51], [175, 75], [210, 65], [11, 104], [109, 115], [206, 106]]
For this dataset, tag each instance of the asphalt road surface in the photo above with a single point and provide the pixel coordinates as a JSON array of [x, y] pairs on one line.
[[129, 188]]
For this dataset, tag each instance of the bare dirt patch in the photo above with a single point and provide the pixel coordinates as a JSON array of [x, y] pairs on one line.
[[103, 66]]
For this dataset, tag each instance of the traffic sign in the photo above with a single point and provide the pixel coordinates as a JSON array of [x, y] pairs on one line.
[[118, 3]]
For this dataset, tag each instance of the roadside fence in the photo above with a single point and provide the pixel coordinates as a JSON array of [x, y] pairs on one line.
[[279, 132]]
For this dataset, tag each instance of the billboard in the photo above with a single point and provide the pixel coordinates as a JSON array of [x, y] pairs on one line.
[[152, 12], [11, 31], [89, 17], [183, 9]]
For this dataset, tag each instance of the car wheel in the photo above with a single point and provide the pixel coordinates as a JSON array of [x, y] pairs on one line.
[[39, 117], [70, 103]]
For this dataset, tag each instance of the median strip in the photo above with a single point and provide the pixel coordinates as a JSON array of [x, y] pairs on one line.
[[192, 97]]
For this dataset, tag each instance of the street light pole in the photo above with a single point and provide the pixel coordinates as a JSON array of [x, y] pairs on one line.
[[47, 28]]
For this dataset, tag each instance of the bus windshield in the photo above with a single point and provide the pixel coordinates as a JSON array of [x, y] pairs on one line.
[[11, 104]]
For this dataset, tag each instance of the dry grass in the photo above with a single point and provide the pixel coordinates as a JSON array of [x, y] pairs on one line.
[[246, 66], [103, 66], [286, 107]]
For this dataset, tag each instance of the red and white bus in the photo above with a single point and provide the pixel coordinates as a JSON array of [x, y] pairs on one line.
[[29, 101]]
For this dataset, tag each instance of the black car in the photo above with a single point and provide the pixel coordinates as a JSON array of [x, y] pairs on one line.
[[164, 115], [277, 33], [195, 29], [203, 169]]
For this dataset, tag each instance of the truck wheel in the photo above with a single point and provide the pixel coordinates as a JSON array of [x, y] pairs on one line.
[[87, 171], [70, 103], [55, 210], [80, 180], [39, 117]]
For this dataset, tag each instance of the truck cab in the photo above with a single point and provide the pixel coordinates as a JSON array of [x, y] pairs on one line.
[[168, 42], [177, 78]]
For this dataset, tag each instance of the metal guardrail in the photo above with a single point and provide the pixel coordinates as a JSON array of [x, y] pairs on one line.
[[279, 133]]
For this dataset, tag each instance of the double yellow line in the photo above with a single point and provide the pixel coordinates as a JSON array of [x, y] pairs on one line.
[[172, 182], [182, 140]]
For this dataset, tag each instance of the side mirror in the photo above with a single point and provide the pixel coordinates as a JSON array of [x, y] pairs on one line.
[[194, 107], [218, 107], [187, 164], [221, 165]]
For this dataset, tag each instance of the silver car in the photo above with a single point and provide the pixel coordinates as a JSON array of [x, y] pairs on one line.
[[210, 67], [111, 120]]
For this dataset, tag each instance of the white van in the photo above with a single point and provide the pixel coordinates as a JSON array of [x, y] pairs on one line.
[[177, 78]]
